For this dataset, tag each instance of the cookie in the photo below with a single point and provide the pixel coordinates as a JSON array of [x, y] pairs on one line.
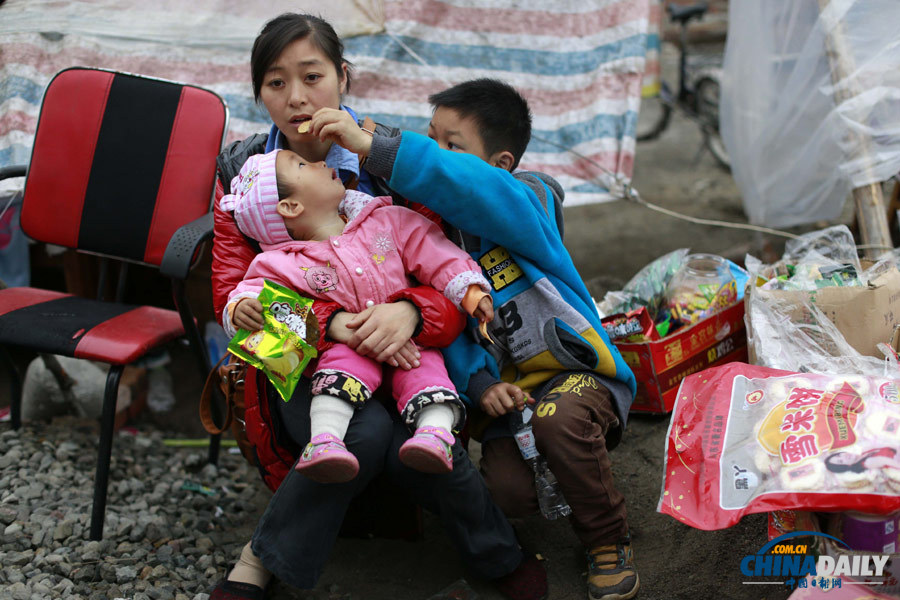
[[808, 476]]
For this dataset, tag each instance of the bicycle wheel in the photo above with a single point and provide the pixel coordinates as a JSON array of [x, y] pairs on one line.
[[707, 95], [654, 115]]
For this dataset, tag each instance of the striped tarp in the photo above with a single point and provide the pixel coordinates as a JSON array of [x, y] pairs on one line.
[[580, 63]]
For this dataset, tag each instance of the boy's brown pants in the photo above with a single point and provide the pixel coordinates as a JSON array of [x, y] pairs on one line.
[[572, 423]]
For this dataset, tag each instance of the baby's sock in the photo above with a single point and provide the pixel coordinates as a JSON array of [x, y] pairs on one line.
[[436, 415], [328, 414], [249, 569]]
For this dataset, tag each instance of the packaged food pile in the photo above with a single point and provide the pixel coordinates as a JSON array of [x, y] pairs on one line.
[[820, 309], [746, 439], [676, 290]]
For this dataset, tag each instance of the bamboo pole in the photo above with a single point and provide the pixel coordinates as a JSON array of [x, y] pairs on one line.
[[870, 211]]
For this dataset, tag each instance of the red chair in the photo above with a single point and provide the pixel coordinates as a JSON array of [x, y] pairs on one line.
[[123, 166]]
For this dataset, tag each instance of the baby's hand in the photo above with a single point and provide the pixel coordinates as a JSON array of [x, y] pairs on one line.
[[484, 312], [502, 398], [248, 314], [342, 129]]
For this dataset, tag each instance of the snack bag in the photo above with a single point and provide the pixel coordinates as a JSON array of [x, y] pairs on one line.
[[287, 342], [745, 439]]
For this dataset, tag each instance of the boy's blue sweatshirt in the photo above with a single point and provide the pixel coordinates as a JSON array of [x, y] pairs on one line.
[[545, 322]]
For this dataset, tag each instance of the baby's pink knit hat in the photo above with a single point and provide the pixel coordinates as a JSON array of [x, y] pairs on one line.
[[254, 201]]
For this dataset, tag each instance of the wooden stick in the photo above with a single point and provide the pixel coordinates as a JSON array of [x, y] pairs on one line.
[[870, 212]]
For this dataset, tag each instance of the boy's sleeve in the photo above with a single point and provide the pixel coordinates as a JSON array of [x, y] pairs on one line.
[[471, 368], [470, 194]]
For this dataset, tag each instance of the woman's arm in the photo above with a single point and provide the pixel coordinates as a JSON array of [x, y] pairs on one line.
[[231, 255]]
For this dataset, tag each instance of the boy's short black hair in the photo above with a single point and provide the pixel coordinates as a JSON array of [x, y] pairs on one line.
[[499, 111]]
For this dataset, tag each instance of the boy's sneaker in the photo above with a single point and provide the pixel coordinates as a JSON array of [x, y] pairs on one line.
[[327, 460], [428, 450], [611, 572], [527, 582]]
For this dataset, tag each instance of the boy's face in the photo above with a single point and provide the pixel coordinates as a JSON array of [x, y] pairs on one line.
[[456, 134], [312, 184]]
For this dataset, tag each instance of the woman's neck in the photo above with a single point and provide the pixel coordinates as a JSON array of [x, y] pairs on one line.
[[313, 151]]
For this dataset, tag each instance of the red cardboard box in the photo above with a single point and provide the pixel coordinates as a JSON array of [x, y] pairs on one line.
[[661, 365]]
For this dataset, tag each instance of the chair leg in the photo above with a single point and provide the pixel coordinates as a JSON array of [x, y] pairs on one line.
[[104, 452], [198, 345], [15, 389]]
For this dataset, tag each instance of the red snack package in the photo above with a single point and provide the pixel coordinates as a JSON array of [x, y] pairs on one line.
[[634, 326], [745, 439]]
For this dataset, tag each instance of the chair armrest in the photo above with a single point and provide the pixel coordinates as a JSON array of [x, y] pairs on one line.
[[182, 248], [13, 171]]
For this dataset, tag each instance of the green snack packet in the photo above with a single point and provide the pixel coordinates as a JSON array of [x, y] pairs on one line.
[[287, 341]]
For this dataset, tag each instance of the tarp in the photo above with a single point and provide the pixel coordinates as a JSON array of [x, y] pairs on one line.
[[578, 62], [801, 133]]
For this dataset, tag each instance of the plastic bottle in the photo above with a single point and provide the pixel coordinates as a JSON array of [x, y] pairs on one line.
[[550, 497]]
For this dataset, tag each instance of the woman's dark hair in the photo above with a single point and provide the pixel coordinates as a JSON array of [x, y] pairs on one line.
[[284, 29]]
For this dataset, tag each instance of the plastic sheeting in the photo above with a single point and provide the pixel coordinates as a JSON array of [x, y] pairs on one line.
[[194, 23], [798, 139], [579, 63]]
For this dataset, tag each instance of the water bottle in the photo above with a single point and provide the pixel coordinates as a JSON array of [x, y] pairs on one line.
[[550, 497]]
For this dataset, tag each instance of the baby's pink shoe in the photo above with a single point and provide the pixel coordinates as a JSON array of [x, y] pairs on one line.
[[327, 460], [428, 450]]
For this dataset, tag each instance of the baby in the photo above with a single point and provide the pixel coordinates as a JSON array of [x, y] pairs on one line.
[[330, 243]]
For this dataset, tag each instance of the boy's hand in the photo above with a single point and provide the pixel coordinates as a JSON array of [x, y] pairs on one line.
[[248, 314], [342, 129], [502, 398], [484, 312]]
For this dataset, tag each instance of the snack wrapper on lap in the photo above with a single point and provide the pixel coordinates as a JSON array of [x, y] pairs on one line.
[[746, 439], [287, 342]]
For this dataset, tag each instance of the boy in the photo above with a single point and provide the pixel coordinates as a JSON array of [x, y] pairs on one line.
[[547, 340]]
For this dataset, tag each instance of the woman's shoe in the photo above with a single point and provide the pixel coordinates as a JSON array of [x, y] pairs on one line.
[[428, 450], [237, 590], [327, 460]]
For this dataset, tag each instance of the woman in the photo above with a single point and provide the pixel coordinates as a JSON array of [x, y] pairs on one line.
[[297, 67]]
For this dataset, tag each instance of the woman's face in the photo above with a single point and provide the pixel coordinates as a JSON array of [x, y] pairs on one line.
[[297, 84]]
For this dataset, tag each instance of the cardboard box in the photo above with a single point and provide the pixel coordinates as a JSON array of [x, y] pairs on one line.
[[660, 365], [865, 316]]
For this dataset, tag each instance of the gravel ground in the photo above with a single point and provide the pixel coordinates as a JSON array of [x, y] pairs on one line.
[[173, 523]]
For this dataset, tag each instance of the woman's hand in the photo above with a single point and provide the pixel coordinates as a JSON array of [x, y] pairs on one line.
[[382, 330], [248, 314], [502, 398], [407, 358], [341, 128]]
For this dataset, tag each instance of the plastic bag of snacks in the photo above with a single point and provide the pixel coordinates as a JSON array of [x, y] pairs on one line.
[[287, 342], [745, 439]]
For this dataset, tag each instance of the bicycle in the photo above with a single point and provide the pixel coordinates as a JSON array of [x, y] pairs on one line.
[[698, 89]]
